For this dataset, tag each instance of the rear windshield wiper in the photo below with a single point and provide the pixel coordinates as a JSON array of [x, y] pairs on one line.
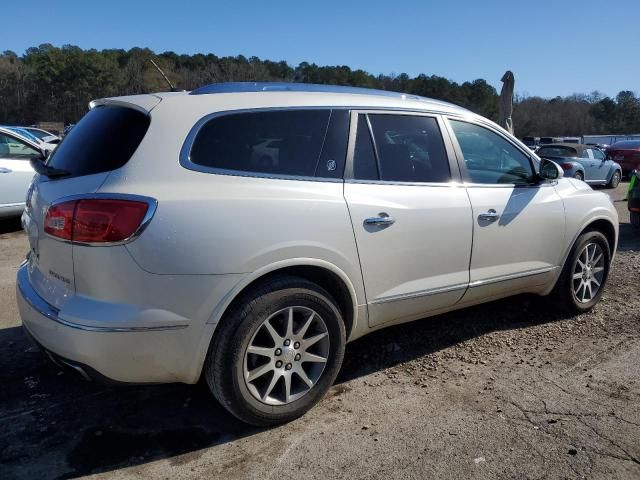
[[51, 172]]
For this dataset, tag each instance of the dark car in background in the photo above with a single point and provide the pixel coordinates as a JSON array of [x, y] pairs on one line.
[[627, 154], [634, 199], [583, 162]]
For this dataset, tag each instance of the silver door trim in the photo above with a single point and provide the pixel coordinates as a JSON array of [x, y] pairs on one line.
[[462, 286], [420, 293], [512, 276]]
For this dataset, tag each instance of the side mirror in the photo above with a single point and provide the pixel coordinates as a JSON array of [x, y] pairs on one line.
[[550, 170], [45, 153]]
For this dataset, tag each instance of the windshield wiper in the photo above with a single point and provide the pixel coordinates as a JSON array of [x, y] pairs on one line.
[[51, 172]]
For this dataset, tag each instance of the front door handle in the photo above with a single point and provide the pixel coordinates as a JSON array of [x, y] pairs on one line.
[[5, 170], [489, 216], [382, 220]]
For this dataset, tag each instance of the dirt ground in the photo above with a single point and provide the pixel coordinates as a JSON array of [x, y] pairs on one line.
[[505, 390]]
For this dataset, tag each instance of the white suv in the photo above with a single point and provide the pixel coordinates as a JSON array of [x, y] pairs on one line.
[[246, 232]]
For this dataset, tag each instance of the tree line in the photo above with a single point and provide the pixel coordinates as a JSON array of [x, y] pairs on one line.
[[49, 83]]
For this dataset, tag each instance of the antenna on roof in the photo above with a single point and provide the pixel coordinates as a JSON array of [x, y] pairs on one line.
[[166, 79]]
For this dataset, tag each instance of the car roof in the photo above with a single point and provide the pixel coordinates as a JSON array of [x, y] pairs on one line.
[[287, 95]]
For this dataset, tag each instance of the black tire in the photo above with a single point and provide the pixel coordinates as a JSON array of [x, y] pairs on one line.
[[635, 219], [615, 180], [578, 176], [563, 295], [225, 361]]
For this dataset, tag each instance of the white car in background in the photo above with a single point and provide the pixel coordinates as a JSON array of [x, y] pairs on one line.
[[43, 135], [161, 251], [16, 172]]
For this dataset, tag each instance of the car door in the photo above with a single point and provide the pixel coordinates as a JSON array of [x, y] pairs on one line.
[[601, 166], [518, 222], [15, 170], [410, 214], [589, 165]]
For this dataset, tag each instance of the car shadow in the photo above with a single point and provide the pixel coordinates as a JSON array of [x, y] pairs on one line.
[[10, 225], [57, 425], [629, 238]]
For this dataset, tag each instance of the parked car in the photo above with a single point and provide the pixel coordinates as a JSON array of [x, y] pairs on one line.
[[170, 254], [583, 162], [634, 199], [15, 171], [43, 135], [26, 134], [627, 154]]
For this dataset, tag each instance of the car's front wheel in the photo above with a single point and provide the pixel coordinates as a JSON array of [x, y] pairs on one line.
[[585, 273], [276, 352]]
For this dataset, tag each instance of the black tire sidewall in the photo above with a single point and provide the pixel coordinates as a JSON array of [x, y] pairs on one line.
[[615, 180], [226, 363], [578, 176]]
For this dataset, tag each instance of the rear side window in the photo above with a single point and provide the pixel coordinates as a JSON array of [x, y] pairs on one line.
[[282, 142], [103, 140], [407, 149]]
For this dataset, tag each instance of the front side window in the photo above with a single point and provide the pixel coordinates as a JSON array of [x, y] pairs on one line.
[[282, 142], [405, 148], [597, 154], [489, 158], [11, 147]]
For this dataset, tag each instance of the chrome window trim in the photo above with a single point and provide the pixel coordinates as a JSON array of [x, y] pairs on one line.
[[185, 151], [28, 293], [454, 171], [152, 203]]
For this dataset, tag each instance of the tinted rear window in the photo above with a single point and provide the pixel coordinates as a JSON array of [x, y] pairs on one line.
[[286, 142], [103, 140]]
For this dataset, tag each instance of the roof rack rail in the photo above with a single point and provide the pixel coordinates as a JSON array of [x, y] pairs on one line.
[[236, 87]]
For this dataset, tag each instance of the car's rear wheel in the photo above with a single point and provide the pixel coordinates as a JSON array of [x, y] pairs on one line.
[[585, 273], [276, 352], [635, 219], [615, 180], [578, 176]]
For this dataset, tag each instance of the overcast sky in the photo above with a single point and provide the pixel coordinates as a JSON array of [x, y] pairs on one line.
[[553, 47]]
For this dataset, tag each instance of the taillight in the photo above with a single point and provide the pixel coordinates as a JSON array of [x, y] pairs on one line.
[[95, 220], [59, 220], [566, 166]]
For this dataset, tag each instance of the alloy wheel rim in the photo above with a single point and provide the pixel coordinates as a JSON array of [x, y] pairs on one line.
[[286, 356], [588, 273]]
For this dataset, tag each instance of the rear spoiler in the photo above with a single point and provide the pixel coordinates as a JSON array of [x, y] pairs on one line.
[[142, 103]]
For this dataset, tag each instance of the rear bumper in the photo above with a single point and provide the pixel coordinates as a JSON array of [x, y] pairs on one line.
[[132, 354]]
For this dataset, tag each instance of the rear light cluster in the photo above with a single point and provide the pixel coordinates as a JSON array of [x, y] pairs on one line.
[[566, 166], [95, 220]]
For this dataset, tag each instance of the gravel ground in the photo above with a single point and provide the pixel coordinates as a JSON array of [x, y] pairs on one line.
[[505, 390]]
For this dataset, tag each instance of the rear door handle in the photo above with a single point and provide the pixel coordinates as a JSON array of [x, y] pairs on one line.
[[382, 220], [5, 170], [489, 216]]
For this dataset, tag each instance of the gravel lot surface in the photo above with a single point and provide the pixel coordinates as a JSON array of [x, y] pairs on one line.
[[510, 389]]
